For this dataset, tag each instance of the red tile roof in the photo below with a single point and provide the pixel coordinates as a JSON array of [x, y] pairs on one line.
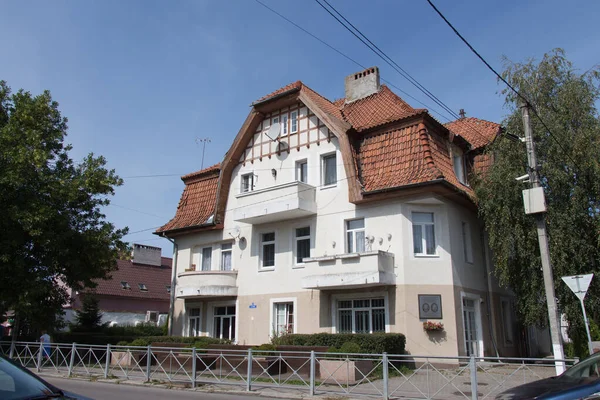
[[287, 88], [198, 201], [155, 278], [478, 132]]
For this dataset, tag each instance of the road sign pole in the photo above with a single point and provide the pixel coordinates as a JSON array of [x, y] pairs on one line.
[[587, 327], [579, 285]]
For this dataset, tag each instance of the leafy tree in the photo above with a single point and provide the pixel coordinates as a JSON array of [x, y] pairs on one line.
[[568, 156], [52, 230], [89, 317]]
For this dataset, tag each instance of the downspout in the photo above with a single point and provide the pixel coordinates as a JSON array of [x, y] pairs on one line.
[[173, 284], [488, 283]]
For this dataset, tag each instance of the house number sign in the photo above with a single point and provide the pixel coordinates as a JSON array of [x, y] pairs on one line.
[[430, 306]]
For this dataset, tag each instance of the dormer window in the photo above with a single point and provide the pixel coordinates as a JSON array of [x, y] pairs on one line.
[[459, 168], [143, 287], [125, 285]]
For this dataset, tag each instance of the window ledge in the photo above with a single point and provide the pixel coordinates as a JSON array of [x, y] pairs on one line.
[[266, 269], [426, 255], [328, 186], [298, 266]]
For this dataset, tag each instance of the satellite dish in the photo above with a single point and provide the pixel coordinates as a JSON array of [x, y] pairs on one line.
[[235, 232], [273, 132]]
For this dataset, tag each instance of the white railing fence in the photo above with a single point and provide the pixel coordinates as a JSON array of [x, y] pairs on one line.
[[372, 375]]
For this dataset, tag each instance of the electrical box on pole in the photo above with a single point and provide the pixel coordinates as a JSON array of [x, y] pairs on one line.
[[534, 200]]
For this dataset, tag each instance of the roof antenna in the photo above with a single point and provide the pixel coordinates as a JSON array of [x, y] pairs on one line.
[[462, 113], [203, 141]]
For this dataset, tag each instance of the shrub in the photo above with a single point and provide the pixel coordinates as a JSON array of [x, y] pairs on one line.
[[377, 343], [350, 348]]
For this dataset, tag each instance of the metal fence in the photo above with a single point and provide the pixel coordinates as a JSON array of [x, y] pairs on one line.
[[371, 375]]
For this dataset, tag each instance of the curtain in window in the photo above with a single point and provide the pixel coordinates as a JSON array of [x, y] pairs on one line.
[[330, 172]]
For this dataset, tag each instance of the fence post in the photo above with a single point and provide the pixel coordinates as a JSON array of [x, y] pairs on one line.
[[312, 372], [249, 373], [39, 357], [194, 367], [107, 361], [473, 367], [385, 364], [72, 358], [148, 363]]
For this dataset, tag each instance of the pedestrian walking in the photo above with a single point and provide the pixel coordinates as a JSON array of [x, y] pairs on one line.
[[45, 340]]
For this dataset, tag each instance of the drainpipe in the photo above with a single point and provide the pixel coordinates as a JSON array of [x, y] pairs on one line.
[[173, 284], [488, 283]]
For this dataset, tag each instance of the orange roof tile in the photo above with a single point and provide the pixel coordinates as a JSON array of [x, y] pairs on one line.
[[476, 131], [198, 201], [291, 86]]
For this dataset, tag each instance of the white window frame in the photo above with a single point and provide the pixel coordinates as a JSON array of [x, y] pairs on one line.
[[298, 238], [285, 124], [197, 318], [424, 254], [299, 164], [478, 322], [261, 250], [272, 303], [250, 188], [360, 296], [508, 325], [458, 164], [324, 169], [293, 117], [211, 316], [467, 242], [203, 257], [230, 250], [354, 231]]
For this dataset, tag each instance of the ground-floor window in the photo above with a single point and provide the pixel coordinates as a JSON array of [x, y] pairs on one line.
[[224, 322], [284, 318], [361, 315], [193, 322]]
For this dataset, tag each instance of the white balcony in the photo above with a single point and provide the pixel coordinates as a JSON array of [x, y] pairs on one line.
[[204, 284], [276, 203], [348, 271]]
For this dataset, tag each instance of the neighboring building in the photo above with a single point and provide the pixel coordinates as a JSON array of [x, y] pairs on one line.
[[347, 216], [137, 291]]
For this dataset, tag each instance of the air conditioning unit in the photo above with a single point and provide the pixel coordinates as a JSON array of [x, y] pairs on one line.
[[152, 317]]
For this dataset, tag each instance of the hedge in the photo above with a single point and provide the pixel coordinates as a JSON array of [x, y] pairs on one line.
[[376, 343]]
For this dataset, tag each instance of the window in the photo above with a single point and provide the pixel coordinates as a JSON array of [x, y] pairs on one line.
[[194, 322], [206, 258], [283, 318], [168, 289], [459, 168], [268, 249], [423, 233], [302, 171], [467, 242], [224, 322], [143, 287], [302, 244], [507, 322], [294, 122], [226, 250], [284, 120], [125, 285], [355, 236], [247, 183], [361, 316], [329, 171]]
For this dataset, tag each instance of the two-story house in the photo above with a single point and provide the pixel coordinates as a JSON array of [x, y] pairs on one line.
[[348, 216]]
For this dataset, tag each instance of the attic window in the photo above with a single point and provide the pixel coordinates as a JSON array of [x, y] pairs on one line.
[[142, 287], [125, 285]]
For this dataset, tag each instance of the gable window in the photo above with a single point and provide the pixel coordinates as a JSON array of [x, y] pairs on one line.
[[302, 244], [302, 171], [247, 183], [459, 168], [507, 322], [284, 318], [284, 121], [329, 170], [143, 287], [423, 233], [194, 322], [226, 252], [268, 249], [355, 236], [467, 242], [294, 122], [206, 258], [361, 316]]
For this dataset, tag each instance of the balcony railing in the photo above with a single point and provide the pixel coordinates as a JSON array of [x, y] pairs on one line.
[[346, 271], [193, 284], [276, 203]]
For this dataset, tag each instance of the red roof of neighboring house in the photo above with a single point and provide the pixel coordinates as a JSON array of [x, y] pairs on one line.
[[155, 278], [478, 132], [197, 203]]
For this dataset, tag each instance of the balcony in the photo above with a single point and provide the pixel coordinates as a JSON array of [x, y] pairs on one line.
[[277, 203], [348, 271], [205, 284]]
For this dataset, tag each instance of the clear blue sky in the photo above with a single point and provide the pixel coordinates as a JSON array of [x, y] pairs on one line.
[[141, 80]]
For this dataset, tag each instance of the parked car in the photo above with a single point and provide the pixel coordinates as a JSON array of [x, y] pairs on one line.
[[18, 383], [581, 381]]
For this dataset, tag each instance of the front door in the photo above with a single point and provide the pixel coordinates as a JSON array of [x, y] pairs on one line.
[[470, 327], [224, 322]]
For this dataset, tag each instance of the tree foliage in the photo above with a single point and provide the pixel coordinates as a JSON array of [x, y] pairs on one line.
[[568, 157], [89, 318], [52, 230]]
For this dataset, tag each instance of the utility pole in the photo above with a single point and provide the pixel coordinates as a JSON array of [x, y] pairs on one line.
[[540, 219]]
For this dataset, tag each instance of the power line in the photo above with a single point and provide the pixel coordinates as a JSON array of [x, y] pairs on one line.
[[150, 176], [142, 230], [138, 211]]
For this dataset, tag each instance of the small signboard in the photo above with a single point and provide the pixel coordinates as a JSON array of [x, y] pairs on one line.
[[252, 305], [578, 284], [430, 306]]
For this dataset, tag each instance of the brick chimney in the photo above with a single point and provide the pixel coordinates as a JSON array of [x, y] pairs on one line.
[[362, 84], [147, 255]]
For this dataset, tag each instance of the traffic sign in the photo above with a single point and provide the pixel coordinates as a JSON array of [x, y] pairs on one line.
[[579, 284]]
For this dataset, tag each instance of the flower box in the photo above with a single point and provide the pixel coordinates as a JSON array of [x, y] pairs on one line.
[[431, 326]]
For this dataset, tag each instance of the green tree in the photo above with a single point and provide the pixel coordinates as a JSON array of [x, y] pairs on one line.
[[52, 230], [89, 317], [568, 156]]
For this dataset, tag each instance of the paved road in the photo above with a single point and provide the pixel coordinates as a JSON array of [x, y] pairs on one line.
[[111, 391]]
